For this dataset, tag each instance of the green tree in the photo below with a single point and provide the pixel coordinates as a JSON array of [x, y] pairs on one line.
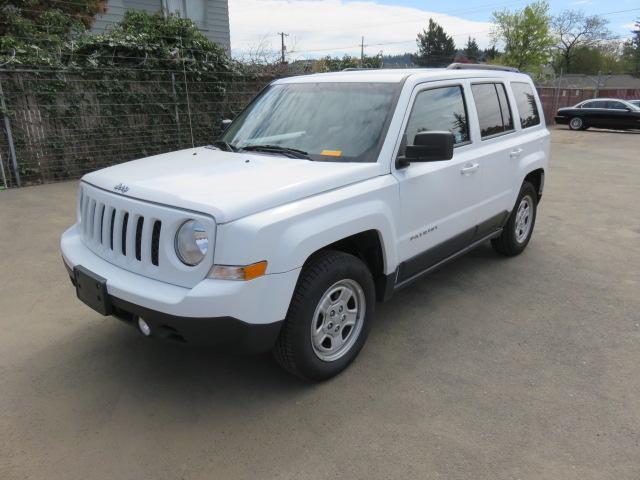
[[472, 50], [526, 36], [491, 53], [603, 58], [435, 47], [574, 30], [335, 64]]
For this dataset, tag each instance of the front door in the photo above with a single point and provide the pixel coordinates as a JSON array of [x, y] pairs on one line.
[[438, 199]]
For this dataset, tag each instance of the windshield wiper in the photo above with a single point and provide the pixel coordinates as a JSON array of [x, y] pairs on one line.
[[290, 152], [222, 145]]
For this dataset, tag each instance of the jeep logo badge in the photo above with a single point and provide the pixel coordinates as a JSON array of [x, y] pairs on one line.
[[121, 188]]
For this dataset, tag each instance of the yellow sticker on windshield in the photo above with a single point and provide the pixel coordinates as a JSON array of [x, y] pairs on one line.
[[331, 153]]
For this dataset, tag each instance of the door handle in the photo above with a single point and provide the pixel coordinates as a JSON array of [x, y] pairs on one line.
[[515, 153], [469, 168]]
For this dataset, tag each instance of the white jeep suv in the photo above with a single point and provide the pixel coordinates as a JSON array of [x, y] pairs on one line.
[[327, 193]]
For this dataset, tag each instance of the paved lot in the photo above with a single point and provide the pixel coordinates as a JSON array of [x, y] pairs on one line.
[[526, 368]]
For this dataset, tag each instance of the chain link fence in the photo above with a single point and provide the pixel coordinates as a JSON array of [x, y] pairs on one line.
[[58, 125]]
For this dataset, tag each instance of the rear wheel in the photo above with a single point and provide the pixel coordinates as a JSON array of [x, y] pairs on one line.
[[576, 123], [329, 316], [519, 228]]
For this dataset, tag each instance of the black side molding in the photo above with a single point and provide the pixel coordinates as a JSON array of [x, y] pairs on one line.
[[407, 281], [433, 258]]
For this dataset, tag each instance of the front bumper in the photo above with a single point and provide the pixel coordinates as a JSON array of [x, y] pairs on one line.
[[248, 314], [561, 120]]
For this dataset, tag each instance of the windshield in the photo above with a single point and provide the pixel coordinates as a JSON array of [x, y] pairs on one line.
[[343, 122]]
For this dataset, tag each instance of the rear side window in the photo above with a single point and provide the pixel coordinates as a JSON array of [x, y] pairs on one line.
[[526, 103], [615, 105], [492, 105], [439, 109]]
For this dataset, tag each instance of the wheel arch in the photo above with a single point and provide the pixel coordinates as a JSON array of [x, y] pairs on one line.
[[368, 246], [536, 178]]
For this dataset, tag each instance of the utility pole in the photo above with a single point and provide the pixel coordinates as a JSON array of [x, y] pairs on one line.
[[362, 53], [283, 48]]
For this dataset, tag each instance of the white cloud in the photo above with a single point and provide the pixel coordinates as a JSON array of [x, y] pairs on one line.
[[322, 27]]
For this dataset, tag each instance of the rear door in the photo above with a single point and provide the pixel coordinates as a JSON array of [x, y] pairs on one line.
[[621, 117], [498, 152]]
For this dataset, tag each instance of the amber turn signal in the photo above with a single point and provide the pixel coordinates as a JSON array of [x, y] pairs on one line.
[[247, 272]]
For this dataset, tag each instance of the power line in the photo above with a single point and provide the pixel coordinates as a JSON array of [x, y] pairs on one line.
[[400, 42]]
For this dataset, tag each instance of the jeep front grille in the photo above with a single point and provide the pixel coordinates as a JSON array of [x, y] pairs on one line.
[[138, 235], [111, 232]]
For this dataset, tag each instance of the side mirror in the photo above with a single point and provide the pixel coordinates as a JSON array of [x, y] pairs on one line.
[[428, 147], [224, 124]]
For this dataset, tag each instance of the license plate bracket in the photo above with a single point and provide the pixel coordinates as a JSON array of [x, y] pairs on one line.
[[92, 290]]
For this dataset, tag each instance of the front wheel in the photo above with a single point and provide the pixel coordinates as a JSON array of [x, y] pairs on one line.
[[517, 232], [329, 316]]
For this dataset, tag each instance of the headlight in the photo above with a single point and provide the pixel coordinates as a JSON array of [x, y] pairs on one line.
[[192, 243]]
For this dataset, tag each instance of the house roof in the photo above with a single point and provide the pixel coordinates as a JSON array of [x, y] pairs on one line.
[[581, 81]]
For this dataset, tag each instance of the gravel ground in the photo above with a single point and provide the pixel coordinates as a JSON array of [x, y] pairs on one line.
[[523, 368]]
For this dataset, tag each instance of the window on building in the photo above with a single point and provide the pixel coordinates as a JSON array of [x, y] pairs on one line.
[[192, 9]]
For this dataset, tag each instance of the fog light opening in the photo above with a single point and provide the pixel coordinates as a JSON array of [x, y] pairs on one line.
[[144, 327]]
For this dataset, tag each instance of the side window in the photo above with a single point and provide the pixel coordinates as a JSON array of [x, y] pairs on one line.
[[507, 121], [494, 114], [587, 105], [598, 104], [439, 109], [526, 103], [616, 105]]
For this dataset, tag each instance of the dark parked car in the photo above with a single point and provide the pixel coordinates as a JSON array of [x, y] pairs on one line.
[[600, 113]]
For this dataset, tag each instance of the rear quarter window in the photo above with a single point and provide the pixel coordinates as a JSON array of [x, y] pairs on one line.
[[526, 104]]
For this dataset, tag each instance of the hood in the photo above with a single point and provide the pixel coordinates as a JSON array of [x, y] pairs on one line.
[[227, 185]]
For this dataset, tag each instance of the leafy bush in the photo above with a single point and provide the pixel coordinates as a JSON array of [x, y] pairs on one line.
[[149, 85]]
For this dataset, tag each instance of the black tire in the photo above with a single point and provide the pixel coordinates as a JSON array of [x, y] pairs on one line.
[[510, 242], [577, 123], [294, 349]]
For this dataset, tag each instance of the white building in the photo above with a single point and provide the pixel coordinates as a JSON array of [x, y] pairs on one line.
[[211, 16]]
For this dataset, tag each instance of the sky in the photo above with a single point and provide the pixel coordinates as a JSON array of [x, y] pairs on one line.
[[318, 28]]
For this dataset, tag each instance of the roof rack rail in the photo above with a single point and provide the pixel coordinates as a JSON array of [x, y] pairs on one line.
[[358, 69], [481, 66]]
